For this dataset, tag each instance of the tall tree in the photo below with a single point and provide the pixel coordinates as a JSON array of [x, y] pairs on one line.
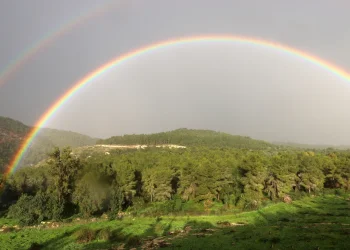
[[63, 168], [281, 175], [253, 170], [90, 193]]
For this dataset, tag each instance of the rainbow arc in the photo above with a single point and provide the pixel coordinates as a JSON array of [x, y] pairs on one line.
[[168, 43]]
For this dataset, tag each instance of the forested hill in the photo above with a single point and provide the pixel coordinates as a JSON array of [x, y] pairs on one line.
[[189, 137], [12, 134], [48, 138], [13, 126]]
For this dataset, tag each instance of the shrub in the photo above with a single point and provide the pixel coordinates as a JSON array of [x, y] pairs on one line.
[[104, 234], [85, 235], [118, 236], [340, 192], [26, 210], [31, 210], [133, 241], [177, 205], [193, 207], [35, 246]]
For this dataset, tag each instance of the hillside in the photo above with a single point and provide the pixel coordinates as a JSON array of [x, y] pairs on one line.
[[47, 139], [12, 134], [189, 137]]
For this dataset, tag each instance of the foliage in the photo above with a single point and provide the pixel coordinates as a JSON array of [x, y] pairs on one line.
[[161, 181], [63, 169], [30, 210], [85, 235], [105, 234], [189, 137], [90, 193]]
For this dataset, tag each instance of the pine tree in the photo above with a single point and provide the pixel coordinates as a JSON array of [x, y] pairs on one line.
[[63, 168]]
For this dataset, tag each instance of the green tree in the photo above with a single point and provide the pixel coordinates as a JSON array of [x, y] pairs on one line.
[[157, 183], [280, 175], [30, 210], [90, 194], [310, 175], [125, 181], [343, 170], [63, 168], [253, 170]]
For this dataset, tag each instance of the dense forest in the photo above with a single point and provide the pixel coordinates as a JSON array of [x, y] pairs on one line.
[[189, 137], [157, 181]]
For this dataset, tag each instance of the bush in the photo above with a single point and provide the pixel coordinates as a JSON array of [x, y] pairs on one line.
[[118, 236], [340, 192], [297, 195], [157, 208], [104, 234], [133, 241], [193, 207], [138, 203], [35, 246], [26, 210], [85, 235], [31, 210]]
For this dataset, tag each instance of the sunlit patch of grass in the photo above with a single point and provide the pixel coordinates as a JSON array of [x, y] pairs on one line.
[[7, 222], [306, 224]]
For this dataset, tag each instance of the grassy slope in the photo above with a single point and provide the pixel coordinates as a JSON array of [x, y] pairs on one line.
[[322, 222]]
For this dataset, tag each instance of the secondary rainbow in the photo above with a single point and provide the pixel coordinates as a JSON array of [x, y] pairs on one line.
[[138, 52], [24, 57]]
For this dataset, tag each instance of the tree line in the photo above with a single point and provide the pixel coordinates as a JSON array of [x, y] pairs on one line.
[[189, 137], [172, 180]]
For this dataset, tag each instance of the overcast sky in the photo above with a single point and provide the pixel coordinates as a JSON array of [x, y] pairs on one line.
[[236, 88]]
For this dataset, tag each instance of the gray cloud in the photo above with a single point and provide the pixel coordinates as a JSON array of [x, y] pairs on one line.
[[236, 88]]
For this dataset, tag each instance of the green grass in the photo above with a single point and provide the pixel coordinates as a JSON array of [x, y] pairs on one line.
[[311, 223], [7, 222]]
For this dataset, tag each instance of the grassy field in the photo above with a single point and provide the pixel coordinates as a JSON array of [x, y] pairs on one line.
[[310, 223]]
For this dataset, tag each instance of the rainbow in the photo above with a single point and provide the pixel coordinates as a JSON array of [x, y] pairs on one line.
[[138, 52], [32, 50]]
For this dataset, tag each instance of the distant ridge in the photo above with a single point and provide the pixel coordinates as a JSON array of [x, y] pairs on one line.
[[13, 132], [189, 137], [312, 146]]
